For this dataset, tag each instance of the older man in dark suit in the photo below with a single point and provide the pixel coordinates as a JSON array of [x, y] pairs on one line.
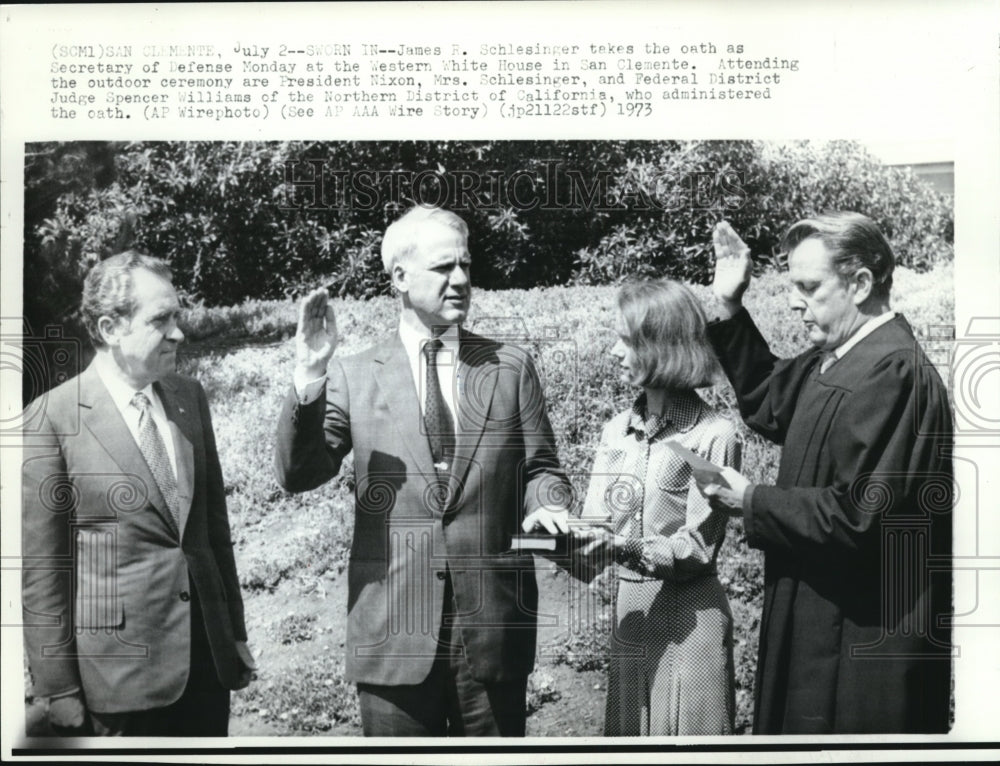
[[453, 453], [132, 608], [857, 529]]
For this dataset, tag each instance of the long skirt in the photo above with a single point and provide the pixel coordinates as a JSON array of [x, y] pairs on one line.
[[671, 665]]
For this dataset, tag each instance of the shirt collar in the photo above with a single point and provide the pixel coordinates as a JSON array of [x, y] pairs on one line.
[[682, 413], [863, 332], [121, 392], [414, 338]]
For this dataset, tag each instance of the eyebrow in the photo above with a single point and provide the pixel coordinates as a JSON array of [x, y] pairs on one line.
[[464, 259], [164, 313]]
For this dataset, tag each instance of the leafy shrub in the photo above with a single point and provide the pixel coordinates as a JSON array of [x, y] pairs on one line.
[[542, 689], [249, 220], [312, 698], [586, 649], [292, 628], [762, 188]]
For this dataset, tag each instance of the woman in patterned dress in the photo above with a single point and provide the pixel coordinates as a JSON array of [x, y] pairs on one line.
[[671, 658]]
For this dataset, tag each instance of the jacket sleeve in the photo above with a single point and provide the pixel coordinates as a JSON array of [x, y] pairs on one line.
[[219, 534], [545, 481], [48, 504], [766, 387], [888, 456], [313, 439]]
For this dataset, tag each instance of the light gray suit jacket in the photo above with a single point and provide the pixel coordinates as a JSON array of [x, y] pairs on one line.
[[505, 466]]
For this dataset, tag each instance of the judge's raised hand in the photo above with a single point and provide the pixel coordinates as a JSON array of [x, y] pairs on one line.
[[732, 266], [316, 336]]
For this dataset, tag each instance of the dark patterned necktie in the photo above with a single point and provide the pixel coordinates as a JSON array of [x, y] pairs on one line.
[[437, 418], [155, 453]]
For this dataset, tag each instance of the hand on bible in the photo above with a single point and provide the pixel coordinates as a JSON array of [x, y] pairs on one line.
[[590, 540], [547, 518]]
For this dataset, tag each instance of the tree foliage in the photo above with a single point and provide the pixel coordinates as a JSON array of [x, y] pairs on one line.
[[244, 220]]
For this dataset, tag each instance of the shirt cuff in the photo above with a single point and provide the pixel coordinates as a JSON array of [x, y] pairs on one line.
[[308, 391], [75, 691]]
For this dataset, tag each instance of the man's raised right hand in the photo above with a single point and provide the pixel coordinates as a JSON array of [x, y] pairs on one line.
[[732, 266], [316, 336]]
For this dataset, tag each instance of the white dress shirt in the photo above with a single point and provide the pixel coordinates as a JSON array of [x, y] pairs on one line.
[[122, 393], [447, 363], [413, 341]]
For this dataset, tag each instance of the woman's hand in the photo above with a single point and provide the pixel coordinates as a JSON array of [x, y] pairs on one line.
[[594, 541]]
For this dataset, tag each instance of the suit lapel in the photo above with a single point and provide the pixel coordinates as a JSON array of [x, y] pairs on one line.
[[395, 381], [183, 432], [105, 422], [478, 370]]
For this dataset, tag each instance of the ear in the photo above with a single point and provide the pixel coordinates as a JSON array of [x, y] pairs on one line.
[[863, 284], [399, 278], [111, 329]]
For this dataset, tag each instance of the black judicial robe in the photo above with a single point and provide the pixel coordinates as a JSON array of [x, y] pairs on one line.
[[856, 533]]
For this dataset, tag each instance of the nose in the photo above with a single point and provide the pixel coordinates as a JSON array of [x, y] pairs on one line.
[[795, 302], [618, 350], [459, 276], [175, 334]]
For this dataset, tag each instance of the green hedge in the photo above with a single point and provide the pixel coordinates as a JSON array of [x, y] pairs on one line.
[[240, 221]]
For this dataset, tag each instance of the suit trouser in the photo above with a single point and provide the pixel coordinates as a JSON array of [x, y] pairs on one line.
[[202, 710], [449, 702]]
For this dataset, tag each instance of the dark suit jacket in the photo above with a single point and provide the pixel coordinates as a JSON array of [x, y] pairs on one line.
[[107, 576], [856, 532], [404, 539]]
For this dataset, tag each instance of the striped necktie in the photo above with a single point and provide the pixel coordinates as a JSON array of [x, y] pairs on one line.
[[155, 453]]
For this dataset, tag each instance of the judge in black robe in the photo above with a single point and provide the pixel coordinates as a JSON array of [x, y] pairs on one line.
[[857, 529]]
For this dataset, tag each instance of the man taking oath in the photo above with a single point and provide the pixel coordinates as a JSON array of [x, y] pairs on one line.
[[453, 454]]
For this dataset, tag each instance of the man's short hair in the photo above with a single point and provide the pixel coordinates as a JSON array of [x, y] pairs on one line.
[[666, 332], [107, 289], [854, 241], [403, 235]]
